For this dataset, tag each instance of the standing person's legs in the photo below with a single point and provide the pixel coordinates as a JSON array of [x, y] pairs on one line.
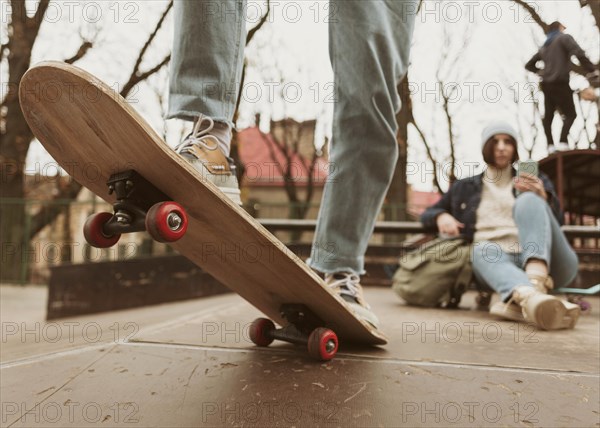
[[549, 109], [206, 68], [369, 51], [207, 59], [566, 105]]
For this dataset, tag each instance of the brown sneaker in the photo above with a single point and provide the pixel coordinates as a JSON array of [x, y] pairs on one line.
[[347, 286], [202, 150]]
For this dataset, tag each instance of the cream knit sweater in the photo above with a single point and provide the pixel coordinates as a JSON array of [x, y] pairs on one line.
[[494, 216]]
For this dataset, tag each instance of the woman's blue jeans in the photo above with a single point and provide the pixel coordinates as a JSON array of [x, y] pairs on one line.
[[369, 44], [540, 238]]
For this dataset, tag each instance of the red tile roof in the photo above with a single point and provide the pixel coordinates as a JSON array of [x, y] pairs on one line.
[[264, 162]]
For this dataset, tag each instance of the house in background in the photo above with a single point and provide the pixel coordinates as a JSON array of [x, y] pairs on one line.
[[291, 144], [284, 172]]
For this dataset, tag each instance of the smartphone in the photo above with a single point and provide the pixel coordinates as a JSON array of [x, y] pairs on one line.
[[528, 167]]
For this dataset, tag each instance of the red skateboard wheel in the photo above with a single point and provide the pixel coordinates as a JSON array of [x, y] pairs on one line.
[[322, 344], [260, 331], [93, 233], [166, 221]]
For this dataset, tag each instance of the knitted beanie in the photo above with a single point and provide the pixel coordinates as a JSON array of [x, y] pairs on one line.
[[495, 128]]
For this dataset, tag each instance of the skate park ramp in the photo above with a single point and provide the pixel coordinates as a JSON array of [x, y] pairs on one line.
[[191, 364]]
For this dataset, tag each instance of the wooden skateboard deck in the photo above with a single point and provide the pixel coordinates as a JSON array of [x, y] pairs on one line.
[[92, 132]]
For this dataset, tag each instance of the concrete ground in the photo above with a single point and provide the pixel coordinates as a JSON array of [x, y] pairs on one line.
[[192, 364]]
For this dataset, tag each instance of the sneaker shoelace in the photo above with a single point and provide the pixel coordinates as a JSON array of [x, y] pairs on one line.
[[347, 285], [198, 137]]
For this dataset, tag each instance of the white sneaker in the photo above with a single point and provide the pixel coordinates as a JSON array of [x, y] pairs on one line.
[[202, 150], [347, 286]]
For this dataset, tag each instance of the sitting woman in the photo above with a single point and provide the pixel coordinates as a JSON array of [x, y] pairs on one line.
[[519, 249]]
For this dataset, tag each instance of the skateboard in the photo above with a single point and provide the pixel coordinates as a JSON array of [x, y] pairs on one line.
[[104, 144]]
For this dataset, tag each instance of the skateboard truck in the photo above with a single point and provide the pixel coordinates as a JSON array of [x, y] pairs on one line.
[[303, 329], [139, 206]]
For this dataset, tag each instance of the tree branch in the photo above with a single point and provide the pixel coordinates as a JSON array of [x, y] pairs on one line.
[[450, 123], [40, 12], [258, 26], [595, 7], [18, 12], [536, 16], [429, 155], [83, 49], [270, 143], [249, 37], [151, 37], [135, 79], [137, 76]]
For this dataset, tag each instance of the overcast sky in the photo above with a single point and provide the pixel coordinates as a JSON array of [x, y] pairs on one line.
[[294, 43]]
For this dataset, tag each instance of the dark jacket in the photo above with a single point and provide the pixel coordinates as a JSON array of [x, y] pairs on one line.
[[462, 201], [557, 59]]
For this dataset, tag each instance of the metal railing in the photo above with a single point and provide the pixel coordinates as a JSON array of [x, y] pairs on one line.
[[29, 261]]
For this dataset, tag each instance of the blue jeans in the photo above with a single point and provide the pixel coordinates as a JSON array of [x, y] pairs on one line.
[[540, 238], [369, 43]]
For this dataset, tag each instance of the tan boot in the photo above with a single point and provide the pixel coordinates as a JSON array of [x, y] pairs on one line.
[[546, 312], [545, 284], [511, 311]]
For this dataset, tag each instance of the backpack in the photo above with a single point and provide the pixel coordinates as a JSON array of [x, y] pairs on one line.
[[436, 274]]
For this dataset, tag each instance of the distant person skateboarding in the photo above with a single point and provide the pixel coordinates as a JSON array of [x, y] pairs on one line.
[[556, 54]]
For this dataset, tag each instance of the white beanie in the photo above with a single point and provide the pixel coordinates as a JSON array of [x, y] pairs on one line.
[[494, 128]]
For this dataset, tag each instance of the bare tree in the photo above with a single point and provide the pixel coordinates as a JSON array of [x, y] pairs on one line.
[[16, 135], [290, 140], [397, 194], [448, 74], [447, 78], [430, 155]]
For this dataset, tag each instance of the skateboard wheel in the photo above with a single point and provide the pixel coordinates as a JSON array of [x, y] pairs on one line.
[[322, 344], [93, 233], [166, 221], [260, 331]]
